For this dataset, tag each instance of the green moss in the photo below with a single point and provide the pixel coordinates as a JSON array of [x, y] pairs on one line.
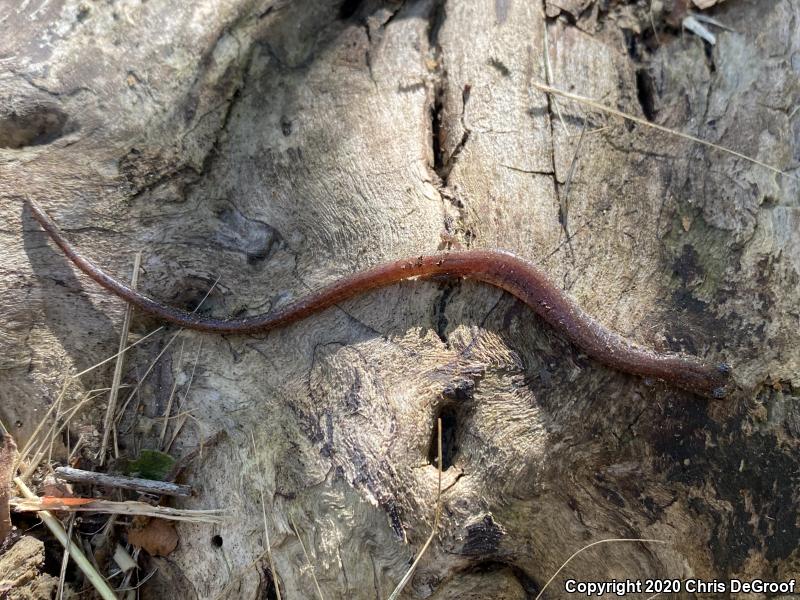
[[151, 464]]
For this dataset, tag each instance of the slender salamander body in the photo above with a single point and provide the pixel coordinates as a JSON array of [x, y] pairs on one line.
[[501, 269]]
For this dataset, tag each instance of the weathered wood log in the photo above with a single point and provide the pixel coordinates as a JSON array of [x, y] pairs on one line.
[[261, 149]]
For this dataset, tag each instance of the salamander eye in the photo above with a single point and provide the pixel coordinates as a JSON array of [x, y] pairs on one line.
[[724, 368]]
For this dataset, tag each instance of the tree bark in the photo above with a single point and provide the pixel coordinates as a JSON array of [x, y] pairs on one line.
[[259, 149]]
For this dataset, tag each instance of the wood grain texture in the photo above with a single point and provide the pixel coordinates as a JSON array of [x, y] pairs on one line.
[[272, 147]]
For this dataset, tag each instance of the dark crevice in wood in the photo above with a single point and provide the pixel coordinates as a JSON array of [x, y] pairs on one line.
[[437, 20], [348, 8], [450, 421], [446, 163], [646, 93], [269, 587], [528, 585], [436, 132], [34, 126], [440, 309]]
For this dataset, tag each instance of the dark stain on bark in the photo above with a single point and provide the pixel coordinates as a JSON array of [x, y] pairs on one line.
[[483, 538], [756, 474], [686, 266]]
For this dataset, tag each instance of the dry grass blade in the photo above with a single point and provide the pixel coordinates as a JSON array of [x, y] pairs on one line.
[[548, 71], [34, 503], [108, 421], [407, 577], [77, 555], [78, 445], [182, 418], [571, 173], [55, 430], [171, 398], [160, 354], [563, 198], [150, 368], [618, 113], [23, 454], [62, 576], [266, 528], [269, 548], [113, 356], [308, 559], [608, 541], [181, 402], [135, 588]]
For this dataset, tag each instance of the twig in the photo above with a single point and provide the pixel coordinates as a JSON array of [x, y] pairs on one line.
[[77, 555], [108, 422], [436, 517], [147, 486], [618, 113]]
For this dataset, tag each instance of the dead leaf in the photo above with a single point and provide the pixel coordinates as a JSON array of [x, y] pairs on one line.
[[686, 222], [158, 537]]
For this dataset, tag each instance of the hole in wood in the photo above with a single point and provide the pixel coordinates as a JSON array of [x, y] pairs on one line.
[[348, 8], [449, 417], [32, 126], [269, 586]]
